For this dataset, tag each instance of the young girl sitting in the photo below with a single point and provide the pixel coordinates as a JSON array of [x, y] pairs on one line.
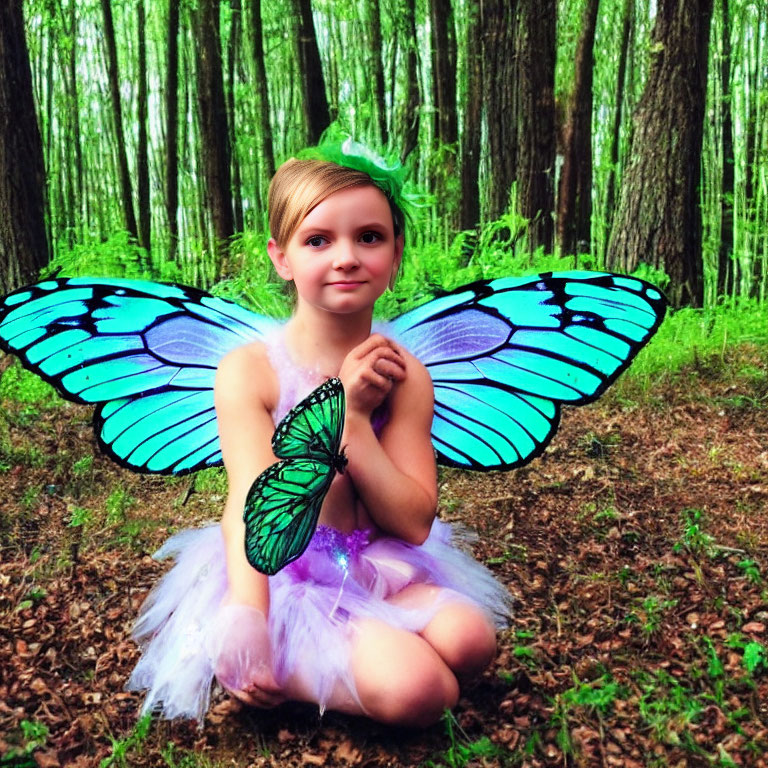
[[382, 615]]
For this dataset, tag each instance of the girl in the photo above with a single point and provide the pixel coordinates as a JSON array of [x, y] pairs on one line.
[[382, 615]]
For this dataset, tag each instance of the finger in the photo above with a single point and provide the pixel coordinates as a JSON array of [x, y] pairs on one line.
[[390, 369], [377, 381], [375, 341], [388, 354]]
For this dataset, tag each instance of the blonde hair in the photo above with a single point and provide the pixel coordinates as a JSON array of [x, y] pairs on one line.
[[300, 185]]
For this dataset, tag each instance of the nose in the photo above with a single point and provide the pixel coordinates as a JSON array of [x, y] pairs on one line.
[[345, 256]]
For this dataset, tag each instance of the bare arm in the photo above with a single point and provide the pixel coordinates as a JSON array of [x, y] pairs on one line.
[[244, 390], [244, 384], [395, 476]]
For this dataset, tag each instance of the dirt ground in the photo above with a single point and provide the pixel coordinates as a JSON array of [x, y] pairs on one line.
[[636, 549]]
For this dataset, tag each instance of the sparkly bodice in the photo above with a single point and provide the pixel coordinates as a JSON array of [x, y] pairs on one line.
[[296, 381]]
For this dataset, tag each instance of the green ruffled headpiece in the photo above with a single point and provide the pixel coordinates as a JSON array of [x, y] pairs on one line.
[[389, 176]]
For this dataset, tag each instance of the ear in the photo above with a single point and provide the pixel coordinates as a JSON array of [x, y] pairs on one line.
[[277, 257], [399, 246]]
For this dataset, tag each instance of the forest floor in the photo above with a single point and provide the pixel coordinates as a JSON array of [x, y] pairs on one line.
[[636, 549]]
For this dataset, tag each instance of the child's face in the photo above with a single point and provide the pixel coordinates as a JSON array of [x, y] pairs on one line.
[[344, 253]]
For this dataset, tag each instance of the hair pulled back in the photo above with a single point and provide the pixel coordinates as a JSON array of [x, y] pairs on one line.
[[300, 185]]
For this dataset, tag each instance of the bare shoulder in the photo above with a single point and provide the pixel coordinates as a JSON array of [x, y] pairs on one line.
[[417, 385], [245, 374]]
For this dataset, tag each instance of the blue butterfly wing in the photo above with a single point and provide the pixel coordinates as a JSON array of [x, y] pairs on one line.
[[505, 354], [145, 353]]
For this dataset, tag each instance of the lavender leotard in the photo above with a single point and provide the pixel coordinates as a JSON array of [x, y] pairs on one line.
[[315, 601]]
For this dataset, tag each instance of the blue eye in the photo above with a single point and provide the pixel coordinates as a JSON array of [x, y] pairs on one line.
[[315, 241]]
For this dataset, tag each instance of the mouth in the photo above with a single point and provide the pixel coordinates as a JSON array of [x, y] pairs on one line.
[[346, 284]]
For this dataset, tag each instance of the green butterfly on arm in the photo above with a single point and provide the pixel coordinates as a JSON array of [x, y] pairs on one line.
[[284, 502]]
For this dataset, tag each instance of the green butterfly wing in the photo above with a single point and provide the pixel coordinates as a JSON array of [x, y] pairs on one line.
[[281, 511], [284, 502], [313, 428]]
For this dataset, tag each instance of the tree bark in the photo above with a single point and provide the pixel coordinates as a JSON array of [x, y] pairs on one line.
[[142, 160], [659, 218], [376, 67], [314, 98], [725, 264], [172, 131], [470, 134], [23, 243], [535, 48], [409, 115], [126, 192], [262, 91], [214, 131], [497, 26], [232, 58], [621, 88], [574, 212], [445, 128]]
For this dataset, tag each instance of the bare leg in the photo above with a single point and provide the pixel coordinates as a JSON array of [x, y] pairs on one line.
[[399, 677], [460, 633]]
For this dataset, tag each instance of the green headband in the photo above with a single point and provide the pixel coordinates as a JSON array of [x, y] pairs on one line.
[[390, 177]]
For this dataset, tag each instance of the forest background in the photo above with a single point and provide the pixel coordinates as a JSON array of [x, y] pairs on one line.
[[140, 138], [137, 139]]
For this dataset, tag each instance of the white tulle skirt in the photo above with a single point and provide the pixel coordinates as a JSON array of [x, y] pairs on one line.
[[184, 630]]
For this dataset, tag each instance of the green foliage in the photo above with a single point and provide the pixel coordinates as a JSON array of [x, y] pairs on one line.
[[461, 750], [755, 657], [80, 517], [688, 337], [213, 481], [117, 503], [667, 706], [649, 614], [33, 735], [751, 570], [594, 696], [118, 256], [122, 749], [694, 539], [23, 386]]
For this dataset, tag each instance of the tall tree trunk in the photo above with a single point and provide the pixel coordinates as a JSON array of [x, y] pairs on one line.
[[574, 212], [314, 99], [659, 217], [126, 196], [621, 89], [725, 263], [23, 244], [409, 114], [754, 150], [214, 131], [536, 119], [470, 134], [142, 160], [172, 131], [73, 110], [497, 24], [446, 127], [445, 130], [232, 58], [376, 67], [262, 93]]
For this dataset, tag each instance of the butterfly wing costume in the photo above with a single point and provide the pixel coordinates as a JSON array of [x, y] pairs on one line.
[[504, 355]]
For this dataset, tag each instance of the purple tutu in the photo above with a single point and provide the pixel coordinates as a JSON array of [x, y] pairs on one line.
[[185, 632]]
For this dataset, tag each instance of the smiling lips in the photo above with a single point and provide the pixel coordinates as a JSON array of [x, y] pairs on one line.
[[347, 285]]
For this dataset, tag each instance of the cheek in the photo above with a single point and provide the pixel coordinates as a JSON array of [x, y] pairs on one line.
[[383, 266]]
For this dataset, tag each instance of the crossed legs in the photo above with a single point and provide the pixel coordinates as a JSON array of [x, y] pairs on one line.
[[409, 679]]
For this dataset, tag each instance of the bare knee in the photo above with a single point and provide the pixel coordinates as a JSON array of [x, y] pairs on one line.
[[401, 680], [464, 638], [416, 699]]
